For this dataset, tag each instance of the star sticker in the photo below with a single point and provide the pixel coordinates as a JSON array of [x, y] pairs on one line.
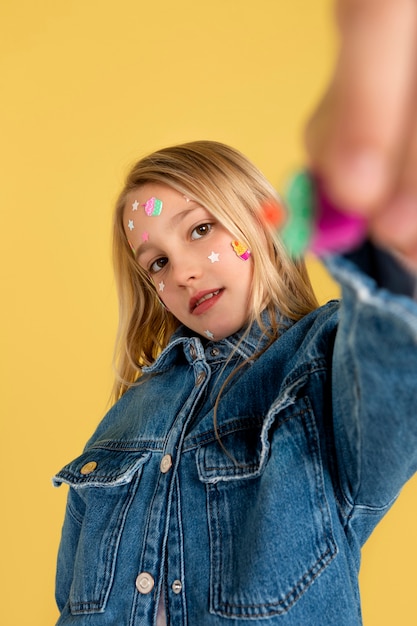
[[135, 205], [161, 285], [131, 225], [209, 334], [214, 256], [145, 236]]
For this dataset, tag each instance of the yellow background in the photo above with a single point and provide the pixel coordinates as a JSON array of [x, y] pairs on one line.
[[87, 87]]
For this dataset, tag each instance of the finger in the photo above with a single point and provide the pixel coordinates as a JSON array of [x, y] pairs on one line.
[[395, 225], [355, 139]]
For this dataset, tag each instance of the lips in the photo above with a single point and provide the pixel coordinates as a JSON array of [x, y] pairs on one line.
[[204, 300]]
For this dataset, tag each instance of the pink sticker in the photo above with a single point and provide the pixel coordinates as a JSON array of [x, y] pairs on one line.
[[241, 250], [145, 236], [153, 206]]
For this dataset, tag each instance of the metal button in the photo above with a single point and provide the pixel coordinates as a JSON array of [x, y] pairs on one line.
[[176, 586], [145, 583], [200, 378], [193, 351], [166, 463], [88, 468], [214, 352]]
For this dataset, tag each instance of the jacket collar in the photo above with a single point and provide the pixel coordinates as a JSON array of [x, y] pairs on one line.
[[241, 345]]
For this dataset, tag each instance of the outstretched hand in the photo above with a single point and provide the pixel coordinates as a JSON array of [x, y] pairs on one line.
[[362, 138]]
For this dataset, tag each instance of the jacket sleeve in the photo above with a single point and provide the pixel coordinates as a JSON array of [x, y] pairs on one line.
[[68, 549], [374, 379]]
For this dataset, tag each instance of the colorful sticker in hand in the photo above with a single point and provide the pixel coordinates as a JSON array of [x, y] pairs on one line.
[[315, 223], [153, 206], [274, 213], [241, 250]]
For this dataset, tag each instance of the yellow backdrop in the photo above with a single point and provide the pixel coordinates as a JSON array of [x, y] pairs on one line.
[[87, 87]]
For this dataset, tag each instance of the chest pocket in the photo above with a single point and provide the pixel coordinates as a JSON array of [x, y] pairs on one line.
[[104, 484], [269, 522]]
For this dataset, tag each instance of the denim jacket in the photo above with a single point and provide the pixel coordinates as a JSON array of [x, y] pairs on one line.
[[318, 435]]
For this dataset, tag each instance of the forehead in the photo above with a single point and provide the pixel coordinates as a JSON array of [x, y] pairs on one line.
[[154, 210]]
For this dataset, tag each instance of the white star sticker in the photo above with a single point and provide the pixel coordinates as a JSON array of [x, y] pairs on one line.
[[161, 285], [135, 205], [131, 225], [214, 256], [209, 334]]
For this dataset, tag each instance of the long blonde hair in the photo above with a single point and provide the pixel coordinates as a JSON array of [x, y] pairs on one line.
[[233, 190]]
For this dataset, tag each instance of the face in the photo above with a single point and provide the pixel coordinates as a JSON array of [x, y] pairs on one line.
[[201, 274]]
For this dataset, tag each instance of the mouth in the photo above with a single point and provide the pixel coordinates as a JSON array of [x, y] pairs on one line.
[[204, 300]]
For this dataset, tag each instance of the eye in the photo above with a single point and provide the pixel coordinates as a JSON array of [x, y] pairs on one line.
[[201, 231], [158, 265]]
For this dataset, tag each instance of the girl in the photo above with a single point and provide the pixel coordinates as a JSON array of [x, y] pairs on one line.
[[257, 438]]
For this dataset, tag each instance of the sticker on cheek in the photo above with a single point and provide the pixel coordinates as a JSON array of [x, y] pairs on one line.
[[241, 250], [153, 206], [209, 334], [135, 205], [161, 285], [130, 225], [145, 236], [214, 257]]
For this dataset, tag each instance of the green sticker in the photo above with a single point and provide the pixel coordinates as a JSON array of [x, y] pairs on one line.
[[299, 196]]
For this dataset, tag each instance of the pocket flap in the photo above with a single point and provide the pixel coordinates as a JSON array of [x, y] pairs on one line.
[[234, 456], [101, 467]]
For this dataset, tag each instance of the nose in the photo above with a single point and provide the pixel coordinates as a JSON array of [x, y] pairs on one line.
[[186, 268]]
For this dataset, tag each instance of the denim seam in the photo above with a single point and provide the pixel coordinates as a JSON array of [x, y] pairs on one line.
[[74, 514], [208, 436], [285, 609], [147, 445]]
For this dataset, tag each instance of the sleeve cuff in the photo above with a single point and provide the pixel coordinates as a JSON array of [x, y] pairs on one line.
[[387, 271]]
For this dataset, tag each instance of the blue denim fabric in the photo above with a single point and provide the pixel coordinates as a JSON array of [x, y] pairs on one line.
[[320, 433]]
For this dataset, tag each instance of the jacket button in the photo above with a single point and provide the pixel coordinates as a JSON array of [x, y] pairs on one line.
[[166, 463], [176, 586], [145, 583], [214, 352], [200, 378], [88, 468]]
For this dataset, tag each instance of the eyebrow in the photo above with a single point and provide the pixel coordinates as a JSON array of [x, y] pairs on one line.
[[175, 220]]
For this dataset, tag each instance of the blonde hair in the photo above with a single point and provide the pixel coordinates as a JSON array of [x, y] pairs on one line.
[[233, 190]]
